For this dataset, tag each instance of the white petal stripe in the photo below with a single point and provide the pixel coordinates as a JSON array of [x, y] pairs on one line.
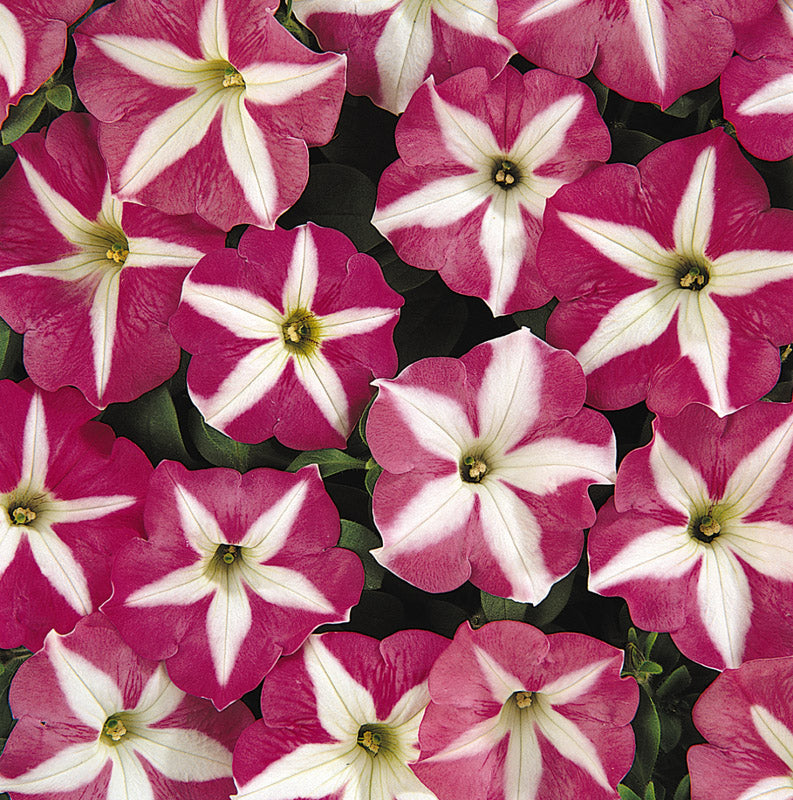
[[278, 82], [725, 601], [542, 9], [776, 97], [57, 564], [213, 31], [777, 736], [245, 314], [35, 448], [182, 754], [68, 770], [694, 217], [128, 780], [743, 271], [103, 317], [248, 156], [650, 22], [303, 273], [228, 623], [168, 138], [286, 587], [12, 51], [91, 693], [545, 133], [325, 388]]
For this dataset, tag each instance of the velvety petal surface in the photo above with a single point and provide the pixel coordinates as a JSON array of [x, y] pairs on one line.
[[95, 720], [681, 274], [698, 538], [286, 334], [211, 111], [394, 45], [237, 569], [486, 464], [479, 159]]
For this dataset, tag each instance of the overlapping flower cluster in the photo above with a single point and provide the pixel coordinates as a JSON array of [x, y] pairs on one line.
[[154, 599]]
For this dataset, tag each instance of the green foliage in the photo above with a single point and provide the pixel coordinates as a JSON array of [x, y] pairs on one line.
[[361, 540], [60, 96], [330, 461], [22, 116], [498, 608]]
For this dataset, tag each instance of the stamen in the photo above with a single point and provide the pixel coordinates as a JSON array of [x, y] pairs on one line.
[[232, 78], [22, 516], [114, 729], [524, 699], [473, 469], [117, 252]]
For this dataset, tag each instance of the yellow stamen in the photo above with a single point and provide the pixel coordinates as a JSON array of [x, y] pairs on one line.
[[22, 516], [232, 78], [709, 526], [117, 253], [370, 741], [114, 729], [523, 699]]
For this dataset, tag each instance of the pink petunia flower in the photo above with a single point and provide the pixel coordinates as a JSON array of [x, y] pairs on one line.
[[674, 278], [394, 45], [479, 159], [71, 495], [97, 721], [89, 280], [487, 460], [340, 720], [757, 85], [211, 110], [647, 50], [699, 535], [747, 717], [287, 332], [237, 569], [519, 715], [32, 44]]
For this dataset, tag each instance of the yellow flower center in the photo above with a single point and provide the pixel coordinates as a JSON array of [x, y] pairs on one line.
[[473, 468], [301, 332], [523, 699], [22, 516], [117, 252], [373, 738], [114, 729], [505, 173], [232, 78], [692, 274]]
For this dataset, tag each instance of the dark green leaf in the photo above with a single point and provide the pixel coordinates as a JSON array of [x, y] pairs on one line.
[[550, 608], [401, 277], [536, 319], [151, 422], [364, 417], [627, 793], [372, 474], [340, 197], [674, 684], [649, 791], [648, 739], [650, 668], [600, 91], [330, 461], [361, 540], [445, 617], [22, 116], [60, 96], [10, 350], [671, 730], [630, 147], [703, 101], [220, 450], [683, 791], [649, 642], [499, 608]]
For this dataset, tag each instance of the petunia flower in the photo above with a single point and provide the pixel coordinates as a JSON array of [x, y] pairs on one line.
[[747, 718], [757, 85], [97, 721], [519, 715], [71, 495], [237, 569], [340, 720], [211, 110], [479, 159], [699, 536], [394, 45], [487, 460], [32, 44], [286, 334], [647, 50], [674, 278], [89, 280]]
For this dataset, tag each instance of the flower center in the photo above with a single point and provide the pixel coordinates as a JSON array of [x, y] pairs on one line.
[[114, 729], [22, 515], [506, 173], [706, 528], [228, 553], [301, 332], [523, 699], [473, 468], [232, 78], [373, 739], [692, 274], [117, 252]]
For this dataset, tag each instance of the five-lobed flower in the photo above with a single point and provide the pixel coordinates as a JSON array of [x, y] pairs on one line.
[[479, 158], [95, 720], [286, 333], [341, 720], [212, 110]]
